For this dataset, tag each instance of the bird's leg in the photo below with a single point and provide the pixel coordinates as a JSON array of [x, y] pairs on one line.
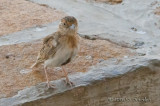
[[67, 79], [48, 84]]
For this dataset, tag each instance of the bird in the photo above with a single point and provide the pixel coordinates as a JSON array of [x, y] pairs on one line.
[[59, 48]]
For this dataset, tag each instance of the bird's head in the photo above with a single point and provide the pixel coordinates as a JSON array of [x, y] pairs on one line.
[[68, 24]]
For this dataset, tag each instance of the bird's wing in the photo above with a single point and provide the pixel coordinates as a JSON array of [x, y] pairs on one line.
[[48, 49]]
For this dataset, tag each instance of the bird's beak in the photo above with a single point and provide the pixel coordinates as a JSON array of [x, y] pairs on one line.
[[72, 27]]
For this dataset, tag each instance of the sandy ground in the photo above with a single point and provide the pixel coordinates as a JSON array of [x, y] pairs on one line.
[[21, 56], [16, 15]]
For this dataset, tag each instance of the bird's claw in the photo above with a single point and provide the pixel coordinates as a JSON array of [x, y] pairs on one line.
[[71, 84], [50, 85]]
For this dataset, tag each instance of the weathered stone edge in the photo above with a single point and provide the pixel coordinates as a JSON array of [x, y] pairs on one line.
[[106, 69]]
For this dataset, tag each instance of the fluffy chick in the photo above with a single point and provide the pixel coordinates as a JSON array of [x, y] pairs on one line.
[[60, 47]]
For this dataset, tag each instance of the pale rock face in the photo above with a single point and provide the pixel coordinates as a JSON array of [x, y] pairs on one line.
[[118, 63]]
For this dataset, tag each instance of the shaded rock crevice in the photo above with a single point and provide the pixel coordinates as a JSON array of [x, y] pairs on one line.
[[106, 1], [134, 45]]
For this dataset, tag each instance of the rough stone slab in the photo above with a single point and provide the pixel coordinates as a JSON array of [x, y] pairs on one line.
[[99, 22], [29, 34], [107, 70], [96, 20], [136, 77], [19, 57]]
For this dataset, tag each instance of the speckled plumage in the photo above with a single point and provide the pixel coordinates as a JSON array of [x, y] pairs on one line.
[[60, 47]]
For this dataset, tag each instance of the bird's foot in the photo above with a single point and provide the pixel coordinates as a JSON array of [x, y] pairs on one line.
[[71, 84], [49, 85]]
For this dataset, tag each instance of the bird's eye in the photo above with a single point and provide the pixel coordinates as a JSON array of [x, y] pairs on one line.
[[64, 24]]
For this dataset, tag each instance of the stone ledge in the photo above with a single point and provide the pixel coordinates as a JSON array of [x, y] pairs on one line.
[[130, 78]]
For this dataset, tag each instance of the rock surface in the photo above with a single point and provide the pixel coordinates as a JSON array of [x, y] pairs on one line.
[[129, 82], [18, 58], [118, 63], [17, 15]]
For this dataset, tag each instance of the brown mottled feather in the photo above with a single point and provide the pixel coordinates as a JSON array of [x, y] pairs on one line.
[[63, 38], [60, 47], [46, 49]]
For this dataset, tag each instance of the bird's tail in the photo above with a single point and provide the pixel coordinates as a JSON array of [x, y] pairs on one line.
[[38, 61], [34, 65]]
